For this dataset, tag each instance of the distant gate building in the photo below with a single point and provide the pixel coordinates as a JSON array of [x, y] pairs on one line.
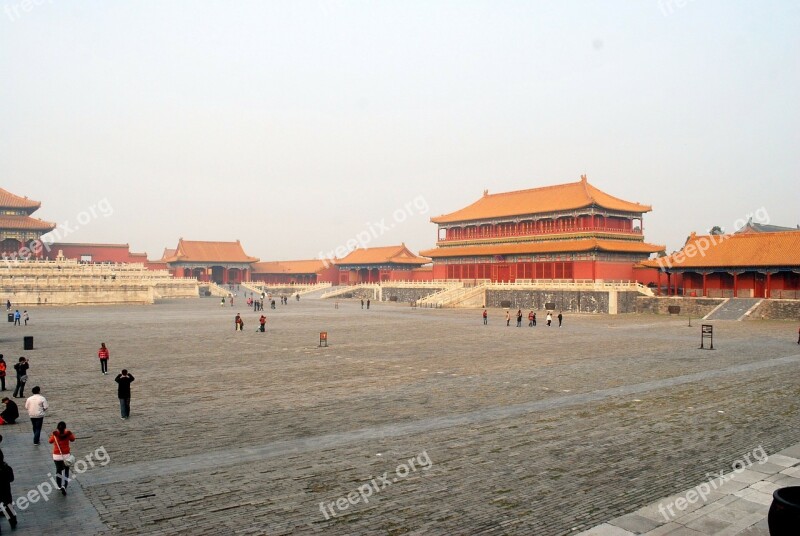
[[220, 262]]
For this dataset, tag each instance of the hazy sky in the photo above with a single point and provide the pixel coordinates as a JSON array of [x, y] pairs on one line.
[[294, 126]]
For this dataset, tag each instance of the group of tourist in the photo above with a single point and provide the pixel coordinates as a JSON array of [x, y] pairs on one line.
[[238, 323], [37, 407], [16, 315], [531, 318]]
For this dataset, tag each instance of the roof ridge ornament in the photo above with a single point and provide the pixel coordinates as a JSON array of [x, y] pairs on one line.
[[486, 192]]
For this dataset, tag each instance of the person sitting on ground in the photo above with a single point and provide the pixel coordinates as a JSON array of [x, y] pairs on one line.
[[10, 413]]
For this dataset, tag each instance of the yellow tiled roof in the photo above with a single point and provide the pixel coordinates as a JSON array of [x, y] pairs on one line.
[[25, 222], [383, 255], [539, 200], [202, 251], [9, 200], [312, 266], [735, 250]]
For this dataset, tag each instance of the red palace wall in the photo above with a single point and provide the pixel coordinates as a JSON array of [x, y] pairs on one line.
[[326, 275], [348, 277], [609, 271], [118, 253]]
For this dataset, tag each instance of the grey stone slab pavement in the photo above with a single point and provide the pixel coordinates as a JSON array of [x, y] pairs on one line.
[[44, 507], [529, 431], [739, 506]]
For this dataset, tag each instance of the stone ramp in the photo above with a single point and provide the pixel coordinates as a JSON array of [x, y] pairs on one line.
[[33, 466], [734, 504], [733, 309], [314, 294]]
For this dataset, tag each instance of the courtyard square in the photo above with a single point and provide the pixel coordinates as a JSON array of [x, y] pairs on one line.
[[541, 431]]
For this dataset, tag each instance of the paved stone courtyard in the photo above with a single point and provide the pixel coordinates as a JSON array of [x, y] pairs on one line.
[[481, 430]]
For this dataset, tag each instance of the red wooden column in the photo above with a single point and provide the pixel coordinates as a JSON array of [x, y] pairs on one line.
[[767, 293], [658, 288], [704, 284], [735, 283]]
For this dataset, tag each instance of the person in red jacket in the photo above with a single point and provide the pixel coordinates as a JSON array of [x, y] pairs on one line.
[[61, 438], [102, 353]]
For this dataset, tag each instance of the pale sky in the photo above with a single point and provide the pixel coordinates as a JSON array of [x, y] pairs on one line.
[[294, 126]]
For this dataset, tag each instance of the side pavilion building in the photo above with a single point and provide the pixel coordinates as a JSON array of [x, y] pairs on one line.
[[220, 262], [742, 265], [374, 265]]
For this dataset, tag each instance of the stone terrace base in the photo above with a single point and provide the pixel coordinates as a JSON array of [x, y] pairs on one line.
[[698, 307]]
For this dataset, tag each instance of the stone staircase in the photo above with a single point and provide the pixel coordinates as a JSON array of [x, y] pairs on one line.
[[315, 292], [448, 296], [215, 289], [733, 309]]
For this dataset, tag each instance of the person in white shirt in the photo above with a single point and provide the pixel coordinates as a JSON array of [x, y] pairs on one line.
[[37, 407]]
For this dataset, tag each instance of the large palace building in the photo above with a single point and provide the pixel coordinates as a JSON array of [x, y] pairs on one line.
[[17, 228], [567, 231]]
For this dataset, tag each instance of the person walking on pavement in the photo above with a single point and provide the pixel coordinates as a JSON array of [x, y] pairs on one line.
[[6, 500], [508, 318], [549, 318], [367, 304], [2, 373], [362, 303], [560, 318], [22, 376], [8, 305], [530, 319], [519, 318], [534, 319], [485, 317], [37, 407], [102, 353], [263, 323], [124, 392], [61, 438], [17, 316], [25, 317]]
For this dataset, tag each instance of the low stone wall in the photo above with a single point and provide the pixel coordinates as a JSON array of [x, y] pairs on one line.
[[407, 295], [281, 291], [626, 301], [173, 289], [575, 301], [80, 295], [697, 307], [777, 310]]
